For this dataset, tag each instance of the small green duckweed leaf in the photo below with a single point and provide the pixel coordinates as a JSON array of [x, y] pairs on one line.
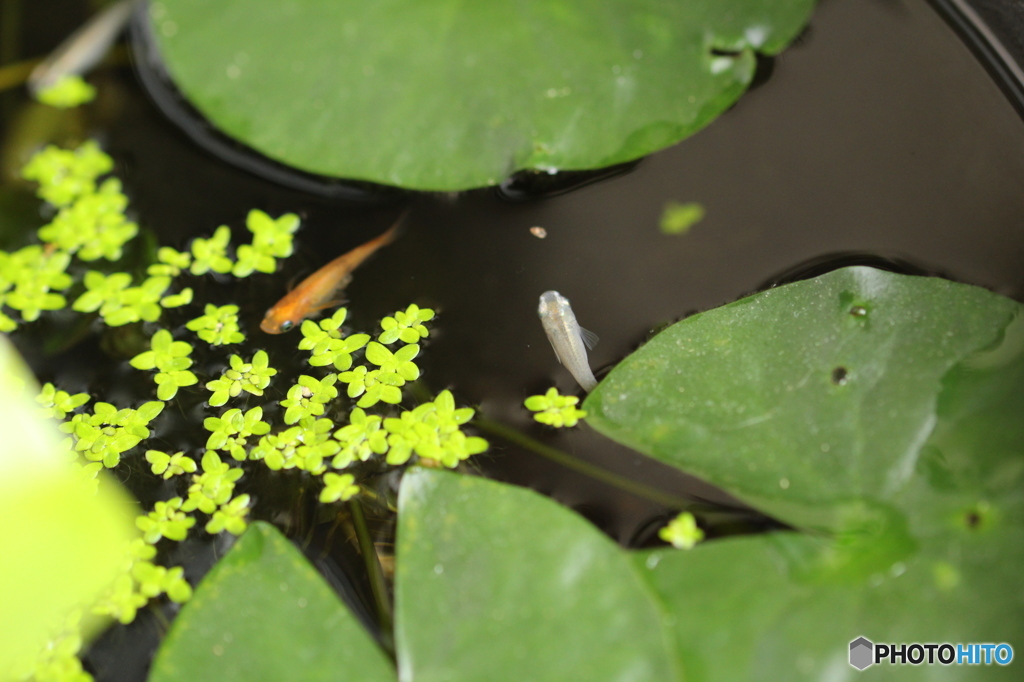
[[305, 446], [165, 521], [406, 326], [57, 404], [211, 254], [338, 487], [68, 92], [555, 409], [230, 517], [327, 344], [360, 439], [218, 325], [214, 486], [94, 226], [167, 466], [395, 368], [166, 354], [365, 385], [679, 218], [108, 432], [117, 302], [308, 397], [222, 633], [252, 377], [170, 262], [682, 532], [64, 175], [30, 277], [432, 430], [172, 360], [272, 236], [230, 432], [184, 297]]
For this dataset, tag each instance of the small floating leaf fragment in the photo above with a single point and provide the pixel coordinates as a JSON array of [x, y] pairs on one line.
[[682, 532], [679, 218]]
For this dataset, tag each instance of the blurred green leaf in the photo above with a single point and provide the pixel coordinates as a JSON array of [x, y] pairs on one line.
[[452, 95], [63, 541]]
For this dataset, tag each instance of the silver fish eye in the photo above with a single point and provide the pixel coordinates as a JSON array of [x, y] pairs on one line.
[[287, 325]]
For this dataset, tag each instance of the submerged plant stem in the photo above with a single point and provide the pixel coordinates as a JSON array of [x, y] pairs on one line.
[[376, 575], [586, 468]]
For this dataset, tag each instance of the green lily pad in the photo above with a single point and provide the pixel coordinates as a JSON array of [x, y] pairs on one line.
[[495, 582], [264, 613], [448, 95], [815, 401]]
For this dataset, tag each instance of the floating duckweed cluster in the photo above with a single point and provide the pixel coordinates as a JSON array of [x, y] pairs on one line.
[[311, 434], [555, 409]]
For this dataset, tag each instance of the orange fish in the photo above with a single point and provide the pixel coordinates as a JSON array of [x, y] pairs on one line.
[[319, 290]]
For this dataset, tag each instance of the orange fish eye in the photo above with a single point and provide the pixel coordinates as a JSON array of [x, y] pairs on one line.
[[287, 325]]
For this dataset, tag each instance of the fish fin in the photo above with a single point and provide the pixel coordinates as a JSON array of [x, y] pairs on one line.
[[334, 303], [557, 355], [590, 339]]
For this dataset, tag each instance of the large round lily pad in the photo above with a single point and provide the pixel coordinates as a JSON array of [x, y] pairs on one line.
[[446, 95]]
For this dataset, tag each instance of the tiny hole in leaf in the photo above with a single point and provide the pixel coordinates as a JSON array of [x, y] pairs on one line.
[[972, 519], [839, 375]]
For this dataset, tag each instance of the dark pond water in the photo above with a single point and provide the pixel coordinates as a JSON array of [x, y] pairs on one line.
[[879, 133]]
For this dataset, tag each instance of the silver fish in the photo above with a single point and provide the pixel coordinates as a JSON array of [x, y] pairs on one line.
[[567, 337], [83, 49]]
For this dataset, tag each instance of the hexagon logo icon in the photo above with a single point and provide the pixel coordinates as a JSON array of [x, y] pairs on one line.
[[861, 653]]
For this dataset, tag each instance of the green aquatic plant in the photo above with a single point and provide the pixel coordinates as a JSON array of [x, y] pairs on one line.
[[108, 432], [211, 255], [214, 486], [231, 431], [165, 521], [432, 431], [252, 377], [679, 218], [170, 262], [64, 175], [682, 532], [231, 516], [327, 343], [30, 279], [304, 446], [406, 325], [94, 226], [308, 397], [119, 303], [395, 368], [272, 239], [218, 325], [57, 404], [167, 466], [364, 384], [338, 487], [360, 439], [555, 409], [171, 359], [68, 92]]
